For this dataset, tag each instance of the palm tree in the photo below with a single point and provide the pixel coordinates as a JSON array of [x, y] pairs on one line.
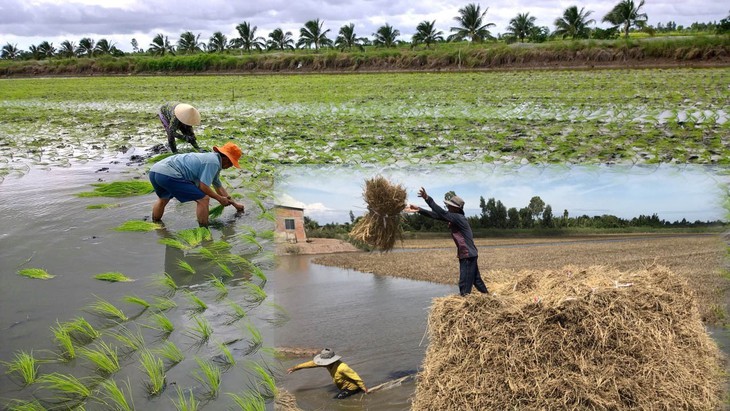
[[67, 49], [161, 45], [217, 42], [470, 24], [427, 34], [35, 52], [46, 49], [248, 40], [86, 47], [312, 34], [521, 26], [103, 47], [10, 51], [135, 46], [347, 39], [278, 40], [385, 36], [189, 43], [625, 13], [574, 23]]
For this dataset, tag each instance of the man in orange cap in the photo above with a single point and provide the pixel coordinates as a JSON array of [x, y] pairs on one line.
[[194, 177], [178, 120]]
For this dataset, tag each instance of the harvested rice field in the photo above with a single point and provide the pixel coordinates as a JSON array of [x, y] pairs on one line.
[[698, 258]]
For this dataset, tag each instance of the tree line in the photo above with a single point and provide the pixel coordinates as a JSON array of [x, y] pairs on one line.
[[626, 16]]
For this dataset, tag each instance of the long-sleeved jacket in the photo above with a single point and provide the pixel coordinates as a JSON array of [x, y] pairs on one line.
[[175, 129], [459, 226], [344, 377]]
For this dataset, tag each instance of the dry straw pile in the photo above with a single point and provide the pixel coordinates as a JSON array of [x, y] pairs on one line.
[[572, 339], [380, 227]]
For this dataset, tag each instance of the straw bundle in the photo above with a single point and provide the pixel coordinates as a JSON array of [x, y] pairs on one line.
[[591, 339], [380, 227]]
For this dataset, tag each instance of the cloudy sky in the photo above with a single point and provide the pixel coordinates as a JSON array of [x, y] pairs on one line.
[[328, 193], [28, 22]]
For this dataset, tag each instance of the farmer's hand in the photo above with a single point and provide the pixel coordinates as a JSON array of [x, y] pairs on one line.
[[422, 193], [225, 201], [238, 206], [412, 208], [290, 370]]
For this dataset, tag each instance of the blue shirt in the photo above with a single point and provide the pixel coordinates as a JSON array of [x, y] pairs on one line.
[[195, 167]]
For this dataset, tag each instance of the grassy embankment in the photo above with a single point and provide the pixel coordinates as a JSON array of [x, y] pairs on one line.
[[658, 51]]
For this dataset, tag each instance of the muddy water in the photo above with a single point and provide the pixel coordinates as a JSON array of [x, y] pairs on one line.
[[376, 323]]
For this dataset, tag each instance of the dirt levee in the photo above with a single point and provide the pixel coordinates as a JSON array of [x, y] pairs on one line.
[[571, 338]]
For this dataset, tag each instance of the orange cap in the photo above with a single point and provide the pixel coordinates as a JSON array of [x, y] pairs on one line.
[[230, 150]]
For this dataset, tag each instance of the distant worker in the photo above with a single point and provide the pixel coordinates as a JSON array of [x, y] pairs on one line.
[[178, 120], [461, 232], [344, 377], [194, 177]]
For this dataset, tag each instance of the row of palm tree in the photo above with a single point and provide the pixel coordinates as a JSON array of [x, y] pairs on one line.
[[471, 26]]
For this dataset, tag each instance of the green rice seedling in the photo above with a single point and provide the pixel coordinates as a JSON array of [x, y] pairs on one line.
[[255, 294], [64, 341], [237, 314], [256, 340], [105, 358], [36, 273], [209, 375], [267, 235], [168, 283], [267, 384], [81, 331], [101, 206], [280, 316], [186, 403], [138, 226], [251, 239], [198, 305], [259, 273], [225, 358], [114, 397], [113, 277], [131, 340], [25, 366], [207, 254], [163, 304], [119, 189], [155, 370], [250, 401], [162, 323], [219, 246], [220, 286], [171, 242], [170, 352], [194, 236], [67, 387], [216, 211], [267, 215], [185, 266], [137, 300], [226, 270], [201, 330], [17, 405], [106, 309]]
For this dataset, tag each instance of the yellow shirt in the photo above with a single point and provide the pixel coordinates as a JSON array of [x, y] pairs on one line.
[[344, 377]]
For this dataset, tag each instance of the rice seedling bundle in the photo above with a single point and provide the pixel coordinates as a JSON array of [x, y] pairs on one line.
[[380, 227], [115, 398], [25, 366], [37, 273], [571, 338], [155, 370], [119, 189], [216, 211], [138, 226], [209, 375], [113, 277]]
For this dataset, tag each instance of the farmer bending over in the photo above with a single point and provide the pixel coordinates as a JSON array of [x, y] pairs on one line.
[[178, 120], [344, 377], [190, 176], [466, 251]]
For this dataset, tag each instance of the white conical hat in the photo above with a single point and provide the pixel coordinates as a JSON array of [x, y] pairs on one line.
[[187, 114]]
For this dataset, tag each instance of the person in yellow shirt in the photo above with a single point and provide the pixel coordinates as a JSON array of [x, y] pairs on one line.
[[344, 377]]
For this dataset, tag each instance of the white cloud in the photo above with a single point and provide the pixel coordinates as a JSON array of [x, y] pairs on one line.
[[27, 23]]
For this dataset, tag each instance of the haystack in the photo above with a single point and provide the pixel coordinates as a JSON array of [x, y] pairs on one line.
[[380, 227], [575, 339]]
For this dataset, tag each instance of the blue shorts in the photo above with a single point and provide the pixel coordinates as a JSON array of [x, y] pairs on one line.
[[167, 187]]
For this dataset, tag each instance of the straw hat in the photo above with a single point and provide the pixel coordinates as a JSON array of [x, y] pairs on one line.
[[326, 357], [187, 114], [455, 201], [230, 150]]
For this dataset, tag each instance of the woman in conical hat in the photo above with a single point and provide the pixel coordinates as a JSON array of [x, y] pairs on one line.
[[178, 120]]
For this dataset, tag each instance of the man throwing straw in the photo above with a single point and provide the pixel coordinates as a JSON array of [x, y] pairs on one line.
[[461, 233]]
